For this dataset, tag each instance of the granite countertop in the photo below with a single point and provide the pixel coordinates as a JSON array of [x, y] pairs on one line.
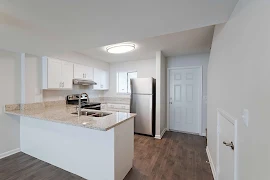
[[115, 102], [62, 114]]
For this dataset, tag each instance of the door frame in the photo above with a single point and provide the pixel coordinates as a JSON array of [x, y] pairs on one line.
[[231, 119], [200, 95]]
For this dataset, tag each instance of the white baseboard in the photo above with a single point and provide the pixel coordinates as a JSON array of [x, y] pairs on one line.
[[9, 153], [161, 135], [211, 163]]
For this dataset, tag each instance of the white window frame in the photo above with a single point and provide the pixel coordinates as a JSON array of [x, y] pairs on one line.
[[117, 82]]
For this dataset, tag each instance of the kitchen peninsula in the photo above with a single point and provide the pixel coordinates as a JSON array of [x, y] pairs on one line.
[[91, 147]]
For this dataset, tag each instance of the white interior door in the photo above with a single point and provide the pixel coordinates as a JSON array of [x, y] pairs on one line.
[[226, 149], [185, 98]]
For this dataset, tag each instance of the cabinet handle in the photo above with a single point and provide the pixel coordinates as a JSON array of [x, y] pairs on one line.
[[63, 84], [60, 84]]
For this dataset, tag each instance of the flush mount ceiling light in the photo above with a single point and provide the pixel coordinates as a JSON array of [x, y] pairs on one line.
[[120, 48]]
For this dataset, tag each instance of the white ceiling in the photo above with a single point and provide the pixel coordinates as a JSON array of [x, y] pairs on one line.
[[175, 44], [54, 26]]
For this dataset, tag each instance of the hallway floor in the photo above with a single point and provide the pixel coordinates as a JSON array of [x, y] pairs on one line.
[[176, 157]]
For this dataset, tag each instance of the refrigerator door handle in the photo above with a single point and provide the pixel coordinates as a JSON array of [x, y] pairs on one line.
[[130, 107], [151, 109]]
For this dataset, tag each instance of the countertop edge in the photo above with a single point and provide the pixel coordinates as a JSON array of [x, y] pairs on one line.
[[78, 125], [120, 122]]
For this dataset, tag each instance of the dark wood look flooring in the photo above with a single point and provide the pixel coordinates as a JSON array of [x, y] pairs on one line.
[[176, 157]]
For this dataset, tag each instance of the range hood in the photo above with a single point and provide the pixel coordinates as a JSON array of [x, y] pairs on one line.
[[83, 82]]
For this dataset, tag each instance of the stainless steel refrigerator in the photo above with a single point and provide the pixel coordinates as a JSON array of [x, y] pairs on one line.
[[143, 98]]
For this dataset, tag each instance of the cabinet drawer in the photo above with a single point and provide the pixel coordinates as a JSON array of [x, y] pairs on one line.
[[119, 106], [124, 106], [119, 110]]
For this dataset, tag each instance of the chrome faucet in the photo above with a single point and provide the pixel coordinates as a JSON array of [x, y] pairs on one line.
[[79, 109]]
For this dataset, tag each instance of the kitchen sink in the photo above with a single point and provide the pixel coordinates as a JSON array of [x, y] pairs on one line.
[[100, 114], [84, 113], [93, 114]]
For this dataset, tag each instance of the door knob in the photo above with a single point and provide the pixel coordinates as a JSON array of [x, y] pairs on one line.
[[229, 144]]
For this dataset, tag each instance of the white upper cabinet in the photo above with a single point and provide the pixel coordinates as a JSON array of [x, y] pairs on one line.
[[83, 72], [57, 74], [54, 77], [101, 77], [89, 73], [78, 71], [67, 75]]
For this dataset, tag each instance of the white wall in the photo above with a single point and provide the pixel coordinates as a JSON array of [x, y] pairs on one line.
[[84, 60], [238, 77], [9, 94], [161, 93], [145, 68], [33, 78], [194, 60]]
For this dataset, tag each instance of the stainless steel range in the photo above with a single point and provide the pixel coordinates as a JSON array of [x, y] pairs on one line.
[[73, 99]]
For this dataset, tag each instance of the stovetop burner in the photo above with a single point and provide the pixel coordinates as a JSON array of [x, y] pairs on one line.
[[74, 100]]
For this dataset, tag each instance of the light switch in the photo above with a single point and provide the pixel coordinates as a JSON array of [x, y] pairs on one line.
[[245, 116]]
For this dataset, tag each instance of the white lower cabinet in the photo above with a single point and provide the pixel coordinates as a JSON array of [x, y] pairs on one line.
[[57, 74], [118, 107]]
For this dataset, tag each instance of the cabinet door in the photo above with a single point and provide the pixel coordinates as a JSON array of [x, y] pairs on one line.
[[79, 71], [54, 73], [104, 80], [97, 78], [89, 71], [67, 74]]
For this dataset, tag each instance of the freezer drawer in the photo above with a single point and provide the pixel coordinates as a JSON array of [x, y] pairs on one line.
[[142, 106]]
